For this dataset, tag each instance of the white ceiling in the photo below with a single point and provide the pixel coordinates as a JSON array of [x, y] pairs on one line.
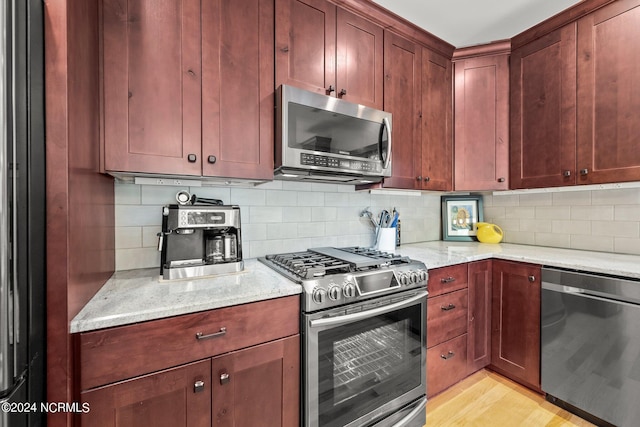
[[470, 22]]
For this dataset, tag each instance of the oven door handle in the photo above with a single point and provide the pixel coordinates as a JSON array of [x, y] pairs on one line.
[[420, 406], [347, 318]]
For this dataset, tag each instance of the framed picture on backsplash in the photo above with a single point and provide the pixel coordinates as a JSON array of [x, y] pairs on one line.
[[460, 214]]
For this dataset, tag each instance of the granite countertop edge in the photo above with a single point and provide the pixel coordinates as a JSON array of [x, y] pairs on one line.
[[134, 296]]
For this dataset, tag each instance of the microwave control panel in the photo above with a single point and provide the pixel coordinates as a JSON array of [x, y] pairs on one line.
[[338, 163]]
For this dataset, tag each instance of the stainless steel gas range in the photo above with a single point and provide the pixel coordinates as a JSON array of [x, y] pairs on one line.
[[364, 336]]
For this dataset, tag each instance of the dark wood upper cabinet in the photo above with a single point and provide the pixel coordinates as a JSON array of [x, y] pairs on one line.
[[481, 123], [543, 111], [151, 86], [515, 321], [436, 172], [326, 49], [189, 90], [403, 99], [237, 88], [609, 94]]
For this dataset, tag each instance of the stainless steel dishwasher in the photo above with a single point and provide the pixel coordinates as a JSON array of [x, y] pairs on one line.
[[590, 331]]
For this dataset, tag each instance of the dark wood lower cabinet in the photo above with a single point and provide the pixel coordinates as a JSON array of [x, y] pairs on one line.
[[168, 398], [446, 364], [479, 327], [515, 322], [258, 386]]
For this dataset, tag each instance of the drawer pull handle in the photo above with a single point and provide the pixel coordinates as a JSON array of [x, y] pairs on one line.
[[448, 355], [224, 378], [448, 279], [200, 336], [447, 307]]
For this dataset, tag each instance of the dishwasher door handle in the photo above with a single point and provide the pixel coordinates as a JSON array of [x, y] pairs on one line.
[[584, 293]]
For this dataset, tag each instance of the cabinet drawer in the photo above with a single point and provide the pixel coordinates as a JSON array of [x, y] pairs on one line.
[[446, 364], [447, 279], [447, 316], [123, 352]]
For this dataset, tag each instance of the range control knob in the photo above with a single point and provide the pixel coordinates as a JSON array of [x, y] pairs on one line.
[[414, 277], [319, 295], [349, 290], [335, 293], [422, 274], [404, 279]]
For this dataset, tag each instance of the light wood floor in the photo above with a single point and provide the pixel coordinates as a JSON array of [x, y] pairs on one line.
[[488, 399]]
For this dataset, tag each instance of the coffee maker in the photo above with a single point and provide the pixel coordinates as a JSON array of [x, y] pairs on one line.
[[200, 240]]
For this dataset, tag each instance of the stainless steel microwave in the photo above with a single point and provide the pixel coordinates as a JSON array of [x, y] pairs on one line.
[[321, 138]]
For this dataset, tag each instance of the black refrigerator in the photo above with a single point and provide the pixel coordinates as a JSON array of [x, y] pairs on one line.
[[22, 214]]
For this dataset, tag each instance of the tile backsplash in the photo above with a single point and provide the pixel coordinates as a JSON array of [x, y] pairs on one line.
[[598, 220], [282, 216], [278, 216]]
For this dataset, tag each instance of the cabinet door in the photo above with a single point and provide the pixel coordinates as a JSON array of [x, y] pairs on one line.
[[237, 88], [258, 386], [402, 98], [543, 111], [151, 86], [482, 123], [306, 44], [359, 64], [515, 321], [437, 122], [609, 94], [479, 328], [170, 398]]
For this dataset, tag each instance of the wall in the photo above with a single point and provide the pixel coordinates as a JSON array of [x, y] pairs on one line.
[[277, 217], [598, 220]]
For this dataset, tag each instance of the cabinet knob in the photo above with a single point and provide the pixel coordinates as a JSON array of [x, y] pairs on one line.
[[566, 173], [532, 278], [501, 179], [191, 73], [427, 179], [331, 89], [192, 158], [419, 178], [224, 378], [584, 172], [343, 92], [284, 49], [211, 159], [198, 387]]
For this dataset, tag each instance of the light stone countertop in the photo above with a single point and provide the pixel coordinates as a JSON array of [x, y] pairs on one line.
[[441, 254], [138, 295]]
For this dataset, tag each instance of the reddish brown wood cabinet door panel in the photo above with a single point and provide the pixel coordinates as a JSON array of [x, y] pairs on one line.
[[359, 64], [515, 321], [306, 44], [482, 123], [402, 98], [151, 86], [237, 88], [437, 123], [479, 328], [446, 364], [609, 94], [178, 397], [543, 111], [258, 386]]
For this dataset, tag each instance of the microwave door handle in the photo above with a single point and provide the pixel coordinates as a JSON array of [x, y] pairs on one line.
[[387, 126], [348, 318]]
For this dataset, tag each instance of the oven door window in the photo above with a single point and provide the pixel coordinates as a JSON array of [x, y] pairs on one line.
[[365, 364]]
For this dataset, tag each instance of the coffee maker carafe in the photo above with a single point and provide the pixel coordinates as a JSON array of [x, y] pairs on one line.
[[200, 240]]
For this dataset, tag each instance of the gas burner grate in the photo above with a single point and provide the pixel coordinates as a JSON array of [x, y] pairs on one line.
[[309, 265], [391, 258]]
